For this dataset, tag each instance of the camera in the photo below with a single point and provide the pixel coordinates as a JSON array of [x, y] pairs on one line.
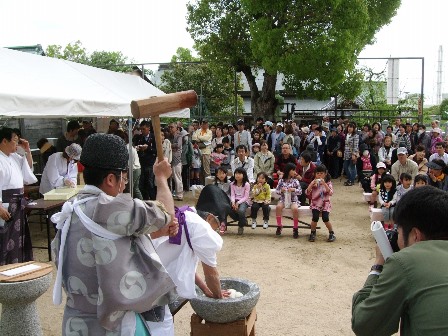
[[392, 236]]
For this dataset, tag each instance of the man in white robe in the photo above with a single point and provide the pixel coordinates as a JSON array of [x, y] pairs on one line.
[[61, 169], [15, 239], [181, 262]]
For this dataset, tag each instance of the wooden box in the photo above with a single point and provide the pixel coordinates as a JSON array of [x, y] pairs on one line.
[[245, 327]]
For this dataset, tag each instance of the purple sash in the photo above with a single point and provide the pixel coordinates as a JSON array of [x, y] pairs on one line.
[[180, 215]]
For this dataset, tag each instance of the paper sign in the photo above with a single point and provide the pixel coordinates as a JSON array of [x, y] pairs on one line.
[[20, 270]]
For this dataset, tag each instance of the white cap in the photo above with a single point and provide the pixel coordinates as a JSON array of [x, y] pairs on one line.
[[402, 150], [73, 151]]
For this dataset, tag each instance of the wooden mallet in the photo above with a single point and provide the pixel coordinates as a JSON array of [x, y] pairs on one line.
[[155, 106]]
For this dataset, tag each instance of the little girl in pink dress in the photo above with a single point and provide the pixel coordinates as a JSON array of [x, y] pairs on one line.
[[319, 191]]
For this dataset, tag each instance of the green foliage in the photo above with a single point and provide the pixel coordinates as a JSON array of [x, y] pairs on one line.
[[315, 43], [374, 89], [409, 103], [213, 82], [72, 52], [431, 113], [101, 59], [443, 109], [107, 59]]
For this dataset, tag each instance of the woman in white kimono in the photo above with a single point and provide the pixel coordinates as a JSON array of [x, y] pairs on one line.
[[61, 169], [15, 239]]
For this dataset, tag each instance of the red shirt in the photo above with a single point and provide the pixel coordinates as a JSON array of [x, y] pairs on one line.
[[309, 174]]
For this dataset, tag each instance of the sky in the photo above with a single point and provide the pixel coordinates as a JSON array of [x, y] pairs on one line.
[[149, 31]]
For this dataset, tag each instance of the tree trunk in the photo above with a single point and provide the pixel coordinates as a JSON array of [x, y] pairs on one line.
[[267, 103], [254, 93], [264, 104]]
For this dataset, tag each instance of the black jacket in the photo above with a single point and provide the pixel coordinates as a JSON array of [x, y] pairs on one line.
[[148, 156]]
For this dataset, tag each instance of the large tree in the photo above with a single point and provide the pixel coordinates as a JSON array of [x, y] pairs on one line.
[[314, 43], [214, 83]]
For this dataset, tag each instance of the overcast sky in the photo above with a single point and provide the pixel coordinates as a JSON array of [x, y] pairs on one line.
[[151, 31]]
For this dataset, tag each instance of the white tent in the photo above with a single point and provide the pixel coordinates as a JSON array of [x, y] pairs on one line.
[[38, 86]]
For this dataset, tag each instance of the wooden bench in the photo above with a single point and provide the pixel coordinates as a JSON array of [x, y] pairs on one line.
[[304, 211], [366, 196], [376, 215]]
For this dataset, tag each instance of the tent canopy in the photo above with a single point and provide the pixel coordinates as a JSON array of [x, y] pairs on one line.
[[38, 86]]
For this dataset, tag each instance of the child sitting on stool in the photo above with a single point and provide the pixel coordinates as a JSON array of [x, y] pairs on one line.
[[239, 196], [261, 193], [388, 199], [289, 190]]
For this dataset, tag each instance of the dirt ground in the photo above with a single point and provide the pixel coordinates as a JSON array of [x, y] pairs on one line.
[[306, 288]]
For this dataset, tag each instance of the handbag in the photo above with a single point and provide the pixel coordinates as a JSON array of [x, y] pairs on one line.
[[201, 145], [339, 153]]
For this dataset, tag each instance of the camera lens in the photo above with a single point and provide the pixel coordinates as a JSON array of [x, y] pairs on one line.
[[392, 236]]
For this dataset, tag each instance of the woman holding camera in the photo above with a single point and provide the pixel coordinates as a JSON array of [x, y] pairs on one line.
[[319, 191]]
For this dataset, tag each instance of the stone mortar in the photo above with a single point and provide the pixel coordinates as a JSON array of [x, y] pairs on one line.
[[19, 310], [227, 310]]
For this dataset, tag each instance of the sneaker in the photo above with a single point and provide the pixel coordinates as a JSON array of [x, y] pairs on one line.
[[331, 237], [312, 237], [295, 233], [240, 230], [265, 225], [222, 228], [279, 231], [254, 225]]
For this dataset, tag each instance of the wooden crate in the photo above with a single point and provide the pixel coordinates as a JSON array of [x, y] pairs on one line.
[[245, 327]]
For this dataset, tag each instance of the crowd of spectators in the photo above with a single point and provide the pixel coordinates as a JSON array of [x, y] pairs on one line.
[[362, 153]]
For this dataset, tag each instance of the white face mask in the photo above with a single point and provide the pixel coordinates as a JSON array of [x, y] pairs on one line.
[[420, 132]]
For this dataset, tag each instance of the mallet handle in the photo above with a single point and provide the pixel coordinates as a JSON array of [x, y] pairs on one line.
[[158, 136]]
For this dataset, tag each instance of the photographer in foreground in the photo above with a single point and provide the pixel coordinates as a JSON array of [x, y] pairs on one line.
[[412, 287]]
